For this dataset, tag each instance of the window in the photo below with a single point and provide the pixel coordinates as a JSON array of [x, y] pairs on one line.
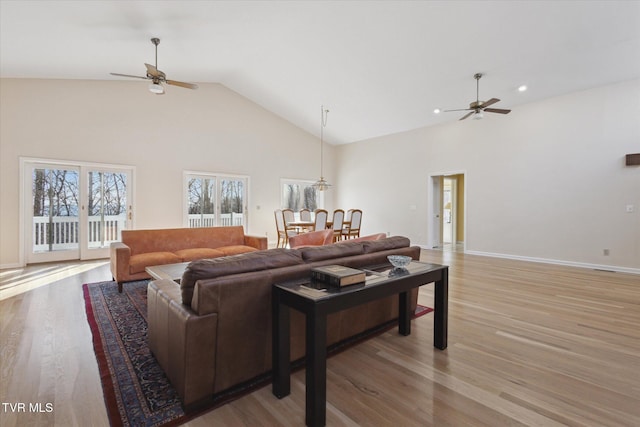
[[298, 194], [214, 200]]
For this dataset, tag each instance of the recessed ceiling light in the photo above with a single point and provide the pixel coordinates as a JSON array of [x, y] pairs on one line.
[[522, 88], [437, 111]]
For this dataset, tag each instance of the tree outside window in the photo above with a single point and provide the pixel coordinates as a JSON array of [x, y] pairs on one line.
[[297, 195]]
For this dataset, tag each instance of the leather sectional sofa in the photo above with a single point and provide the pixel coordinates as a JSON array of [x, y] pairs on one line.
[[144, 248], [212, 332]]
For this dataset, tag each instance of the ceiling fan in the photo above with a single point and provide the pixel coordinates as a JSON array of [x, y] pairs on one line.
[[477, 107], [156, 76]]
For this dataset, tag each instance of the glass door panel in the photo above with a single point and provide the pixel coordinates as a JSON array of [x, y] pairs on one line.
[[53, 214], [107, 208], [232, 201], [201, 202]]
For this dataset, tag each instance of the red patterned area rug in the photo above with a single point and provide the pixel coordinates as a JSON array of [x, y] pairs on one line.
[[136, 390]]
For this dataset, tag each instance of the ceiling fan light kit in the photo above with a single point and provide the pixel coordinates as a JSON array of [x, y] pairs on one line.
[[156, 88], [477, 107], [156, 76]]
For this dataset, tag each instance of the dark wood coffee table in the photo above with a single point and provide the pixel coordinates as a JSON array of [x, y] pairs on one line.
[[316, 302]]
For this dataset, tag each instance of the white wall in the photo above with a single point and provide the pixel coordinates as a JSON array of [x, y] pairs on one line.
[[211, 129], [547, 181]]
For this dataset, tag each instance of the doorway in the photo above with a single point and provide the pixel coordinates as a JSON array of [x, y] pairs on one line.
[[446, 228], [73, 211]]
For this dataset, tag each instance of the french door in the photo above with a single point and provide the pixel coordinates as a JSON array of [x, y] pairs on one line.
[[214, 200], [74, 211]]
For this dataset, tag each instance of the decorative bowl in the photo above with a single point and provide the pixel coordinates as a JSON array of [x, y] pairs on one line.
[[399, 261]]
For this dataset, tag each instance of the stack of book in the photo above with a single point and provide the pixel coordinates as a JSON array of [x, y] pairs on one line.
[[338, 275]]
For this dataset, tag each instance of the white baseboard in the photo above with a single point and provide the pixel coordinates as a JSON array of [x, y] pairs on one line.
[[559, 262], [606, 267], [7, 266]]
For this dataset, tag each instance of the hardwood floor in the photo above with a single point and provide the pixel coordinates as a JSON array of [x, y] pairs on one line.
[[529, 344]]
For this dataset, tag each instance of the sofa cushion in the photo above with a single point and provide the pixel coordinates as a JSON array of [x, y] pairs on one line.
[[385, 244], [137, 263], [319, 253], [236, 249], [199, 253], [235, 264]]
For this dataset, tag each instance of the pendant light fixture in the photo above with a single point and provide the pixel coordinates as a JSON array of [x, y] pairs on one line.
[[321, 184]]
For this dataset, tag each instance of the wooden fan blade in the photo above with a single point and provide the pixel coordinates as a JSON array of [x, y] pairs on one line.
[[153, 71], [497, 110], [182, 84], [489, 102], [129, 75], [461, 109], [467, 115]]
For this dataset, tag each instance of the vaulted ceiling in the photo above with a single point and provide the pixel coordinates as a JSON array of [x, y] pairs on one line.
[[381, 67]]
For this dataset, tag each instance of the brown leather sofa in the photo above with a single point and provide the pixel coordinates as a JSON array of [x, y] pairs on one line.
[[144, 248], [213, 331]]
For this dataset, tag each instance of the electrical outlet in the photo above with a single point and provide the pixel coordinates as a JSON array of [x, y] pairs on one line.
[[605, 252]]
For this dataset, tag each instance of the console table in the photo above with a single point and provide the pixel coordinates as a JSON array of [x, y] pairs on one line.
[[317, 301]]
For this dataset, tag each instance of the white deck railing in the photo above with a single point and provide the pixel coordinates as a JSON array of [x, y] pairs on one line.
[[64, 229], [209, 220], [59, 233]]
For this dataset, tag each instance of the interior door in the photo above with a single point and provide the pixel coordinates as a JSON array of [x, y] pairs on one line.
[[436, 211], [449, 222]]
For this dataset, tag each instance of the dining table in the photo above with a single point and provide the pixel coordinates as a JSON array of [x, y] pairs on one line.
[[310, 225], [344, 224], [302, 225]]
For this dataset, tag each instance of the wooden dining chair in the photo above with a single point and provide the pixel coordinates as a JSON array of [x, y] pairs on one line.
[[321, 219], [282, 233], [305, 215], [289, 216], [352, 229], [337, 222], [289, 229], [347, 222]]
